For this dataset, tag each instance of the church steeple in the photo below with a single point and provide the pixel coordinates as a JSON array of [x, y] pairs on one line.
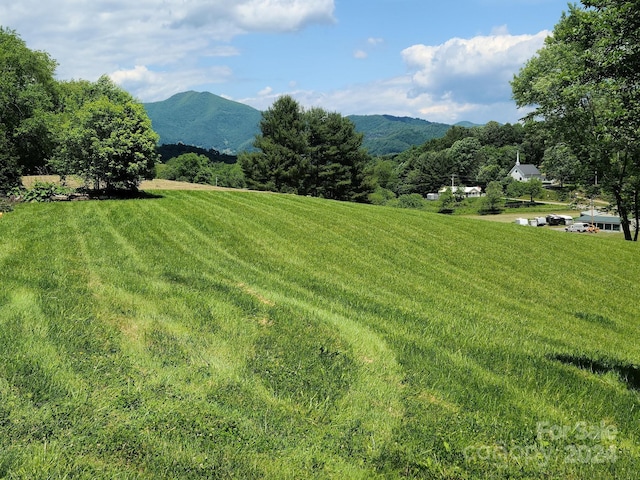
[[518, 158]]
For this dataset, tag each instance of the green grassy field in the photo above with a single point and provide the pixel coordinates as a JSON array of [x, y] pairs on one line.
[[247, 335]]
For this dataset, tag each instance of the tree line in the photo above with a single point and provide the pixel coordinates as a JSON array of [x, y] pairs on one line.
[[94, 130]]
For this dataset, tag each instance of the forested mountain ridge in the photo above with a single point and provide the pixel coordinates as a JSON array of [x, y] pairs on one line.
[[210, 121], [205, 120], [385, 134]]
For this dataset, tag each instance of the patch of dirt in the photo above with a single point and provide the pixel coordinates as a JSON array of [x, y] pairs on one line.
[[159, 184], [29, 180], [156, 184], [429, 397], [253, 293]]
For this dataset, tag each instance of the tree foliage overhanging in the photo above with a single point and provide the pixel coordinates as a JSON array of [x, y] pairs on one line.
[[585, 87], [94, 130], [310, 152], [27, 103]]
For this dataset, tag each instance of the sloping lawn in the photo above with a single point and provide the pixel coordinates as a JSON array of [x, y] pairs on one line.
[[246, 335]]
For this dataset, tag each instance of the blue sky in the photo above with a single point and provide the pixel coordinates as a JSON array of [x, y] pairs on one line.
[[440, 61]]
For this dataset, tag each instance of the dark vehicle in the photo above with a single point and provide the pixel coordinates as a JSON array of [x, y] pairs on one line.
[[554, 219]]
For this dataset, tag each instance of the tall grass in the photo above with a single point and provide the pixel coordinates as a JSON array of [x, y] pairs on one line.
[[244, 335]]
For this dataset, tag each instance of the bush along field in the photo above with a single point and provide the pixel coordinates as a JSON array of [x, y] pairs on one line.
[[248, 335]]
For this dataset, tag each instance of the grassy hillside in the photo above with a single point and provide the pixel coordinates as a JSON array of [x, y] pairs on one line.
[[204, 120], [246, 335]]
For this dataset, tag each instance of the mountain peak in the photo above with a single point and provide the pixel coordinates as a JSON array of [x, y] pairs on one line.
[[205, 120]]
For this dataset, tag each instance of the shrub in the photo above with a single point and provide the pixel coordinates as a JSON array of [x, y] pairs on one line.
[[413, 200], [42, 192], [493, 201], [447, 202], [5, 205], [188, 167], [381, 196]]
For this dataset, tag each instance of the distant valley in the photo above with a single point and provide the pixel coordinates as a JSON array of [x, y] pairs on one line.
[[209, 121]]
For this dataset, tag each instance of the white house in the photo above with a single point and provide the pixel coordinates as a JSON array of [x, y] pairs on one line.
[[468, 191], [524, 172]]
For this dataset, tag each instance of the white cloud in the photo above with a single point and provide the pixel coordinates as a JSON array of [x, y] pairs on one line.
[[471, 69], [360, 54], [151, 86], [139, 74], [281, 15], [375, 41], [91, 38], [266, 91]]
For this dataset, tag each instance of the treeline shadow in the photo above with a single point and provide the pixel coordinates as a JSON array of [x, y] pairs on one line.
[[120, 194], [628, 373]]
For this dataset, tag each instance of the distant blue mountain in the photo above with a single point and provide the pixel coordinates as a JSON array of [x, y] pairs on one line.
[[204, 120], [467, 124], [209, 121]]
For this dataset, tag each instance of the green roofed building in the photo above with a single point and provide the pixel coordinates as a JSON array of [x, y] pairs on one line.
[[604, 221]]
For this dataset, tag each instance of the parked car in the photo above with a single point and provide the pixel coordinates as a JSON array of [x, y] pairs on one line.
[[577, 227], [582, 227]]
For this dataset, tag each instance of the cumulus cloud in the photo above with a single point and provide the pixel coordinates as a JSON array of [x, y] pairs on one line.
[[370, 44], [138, 74], [476, 69], [89, 39]]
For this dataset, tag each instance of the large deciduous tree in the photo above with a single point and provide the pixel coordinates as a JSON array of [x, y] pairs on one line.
[[585, 84], [107, 137], [310, 152], [27, 101]]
